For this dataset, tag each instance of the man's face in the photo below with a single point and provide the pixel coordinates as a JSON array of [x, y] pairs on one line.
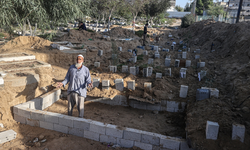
[[80, 59]]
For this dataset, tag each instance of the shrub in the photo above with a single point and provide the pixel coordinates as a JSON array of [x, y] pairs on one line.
[[187, 20]]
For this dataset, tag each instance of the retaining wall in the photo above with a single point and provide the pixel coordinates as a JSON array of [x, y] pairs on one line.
[[31, 113]]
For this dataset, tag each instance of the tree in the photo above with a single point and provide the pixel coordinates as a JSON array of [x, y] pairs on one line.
[[199, 7], [216, 10], [187, 20], [111, 5], [97, 9], [179, 8], [187, 7]]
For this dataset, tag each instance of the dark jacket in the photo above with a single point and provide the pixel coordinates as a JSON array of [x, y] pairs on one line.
[[83, 27], [145, 30]]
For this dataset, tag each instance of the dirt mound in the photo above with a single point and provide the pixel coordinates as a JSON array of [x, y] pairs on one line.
[[76, 36], [121, 32], [27, 41]]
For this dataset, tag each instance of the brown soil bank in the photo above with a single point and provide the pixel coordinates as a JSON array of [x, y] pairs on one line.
[[229, 69]]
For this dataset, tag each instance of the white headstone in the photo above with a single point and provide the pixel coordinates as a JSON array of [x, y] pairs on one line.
[[132, 70], [97, 64], [183, 91], [158, 75], [131, 84], [188, 63], [238, 132], [212, 130], [124, 69]]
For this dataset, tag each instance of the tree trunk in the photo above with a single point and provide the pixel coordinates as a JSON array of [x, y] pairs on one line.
[[24, 28], [34, 33], [134, 24], [29, 27]]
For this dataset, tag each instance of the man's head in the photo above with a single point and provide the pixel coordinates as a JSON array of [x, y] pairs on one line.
[[81, 23], [80, 60], [146, 24]]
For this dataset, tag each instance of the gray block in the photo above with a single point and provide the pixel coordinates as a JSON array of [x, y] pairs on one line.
[[113, 68], [131, 84], [37, 115], [6, 136], [81, 123], [183, 91], [184, 145], [36, 104], [150, 61], [137, 70], [124, 69], [132, 134], [105, 83], [188, 63], [46, 125], [179, 56], [238, 132], [150, 138], [198, 51], [108, 139], [76, 132], [212, 130], [157, 55], [143, 146], [184, 55], [97, 127], [20, 119], [177, 63], [154, 107], [134, 59], [125, 143], [61, 128], [140, 106], [167, 62], [168, 72], [158, 75], [145, 72], [96, 82], [100, 52], [51, 117], [172, 106], [113, 131], [132, 70], [150, 71], [119, 85], [170, 143], [31, 122], [145, 52], [168, 56], [197, 56], [120, 48], [24, 112], [65, 120], [91, 135], [155, 48], [97, 64], [147, 86], [183, 73]]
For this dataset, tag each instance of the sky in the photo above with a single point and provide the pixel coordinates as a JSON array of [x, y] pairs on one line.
[[182, 3]]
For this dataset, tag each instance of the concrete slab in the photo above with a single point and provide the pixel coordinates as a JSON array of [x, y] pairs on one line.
[[212, 130], [6, 136], [238, 132], [16, 57]]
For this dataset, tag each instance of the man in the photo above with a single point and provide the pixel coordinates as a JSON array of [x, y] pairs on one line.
[[77, 76], [82, 26], [145, 34]]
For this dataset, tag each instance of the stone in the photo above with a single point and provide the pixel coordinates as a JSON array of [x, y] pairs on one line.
[[145, 72], [96, 82], [150, 61], [214, 92], [1, 81], [134, 59], [197, 56], [157, 55], [131, 84], [105, 83], [97, 64], [132, 70], [143, 146], [183, 91], [177, 63], [158, 75], [167, 62], [188, 63], [119, 85], [120, 48], [113, 68], [112, 130], [124, 69], [147, 86], [100, 52], [183, 73], [179, 56], [137, 70], [168, 56], [184, 55], [198, 51], [132, 134], [168, 72], [150, 71], [202, 94], [125, 143], [145, 52], [156, 48], [212, 130], [7, 136], [238, 132]]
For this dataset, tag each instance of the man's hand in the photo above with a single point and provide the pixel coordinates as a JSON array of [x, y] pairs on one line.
[[59, 84], [90, 85]]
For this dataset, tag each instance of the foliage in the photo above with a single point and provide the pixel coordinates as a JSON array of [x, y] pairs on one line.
[[179, 8], [215, 10], [154, 8], [187, 7], [202, 5], [139, 33], [187, 20]]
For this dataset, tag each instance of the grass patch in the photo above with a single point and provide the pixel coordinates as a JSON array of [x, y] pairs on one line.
[[140, 57], [1, 34]]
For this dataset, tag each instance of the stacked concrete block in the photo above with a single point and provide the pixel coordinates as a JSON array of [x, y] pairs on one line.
[[113, 68], [202, 94], [188, 63], [145, 52], [145, 72], [188, 49], [167, 62], [157, 55], [132, 70], [124, 69], [184, 55], [212, 130], [105, 84], [158, 75], [131, 84], [7, 136], [97, 64], [134, 59], [170, 142], [168, 72], [183, 72], [177, 63], [119, 85], [150, 71], [197, 56], [96, 82], [238, 132], [200, 64], [147, 85], [183, 91], [214, 92], [100, 52], [172, 106], [150, 61]]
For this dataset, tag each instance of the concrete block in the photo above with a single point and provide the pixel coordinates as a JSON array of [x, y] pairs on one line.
[[170, 143], [150, 71], [145, 72], [183, 73], [52, 117], [24, 112], [167, 62], [132, 134], [36, 103], [91, 135], [20, 119], [157, 55], [97, 64], [188, 63], [150, 138], [113, 68], [37, 115], [156, 48], [131, 84], [145, 52], [31, 122], [184, 145], [147, 86], [137, 70], [125, 143], [140, 106], [76, 132], [65, 120], [198, 51], [130, 50], [113, 131], [123, 100], [134, 59], [81, 123], [150, 61], [23, 105], [119, 85], [105, 83], [158, 75], [132, 70], [184, 55], [172, 106], [120, 48], [143, 146], [202, 94], [153, 107], [100, 52], [97, 127], [212, 130], [124, 69], [108, 139], [168, 56], [46, 125], [183, 91], [238, 132], [197, 56], [6, 136], [168, 72], [179, 56], [177, 63], [60, 128], [1, 81], [96, 82]]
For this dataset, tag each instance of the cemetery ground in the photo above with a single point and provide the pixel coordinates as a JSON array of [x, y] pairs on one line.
[[226, 65]]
